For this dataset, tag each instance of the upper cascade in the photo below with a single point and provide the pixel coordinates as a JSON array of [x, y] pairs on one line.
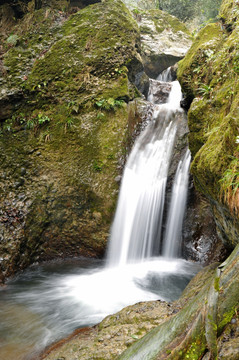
[[137, 228]]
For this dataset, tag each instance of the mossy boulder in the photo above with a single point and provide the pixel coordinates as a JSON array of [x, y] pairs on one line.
[[209, 77], [64, 131]]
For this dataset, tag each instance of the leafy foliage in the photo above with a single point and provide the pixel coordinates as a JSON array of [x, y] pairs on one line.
[[230, 185], [189, 9], [109, 104]]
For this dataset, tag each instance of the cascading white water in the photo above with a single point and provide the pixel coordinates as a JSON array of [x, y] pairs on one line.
[[172, 240], [165, 75], [138, 218], [137, 226]]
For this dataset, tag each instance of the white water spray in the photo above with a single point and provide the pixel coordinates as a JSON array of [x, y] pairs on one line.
[[138, 218], [165, 75]]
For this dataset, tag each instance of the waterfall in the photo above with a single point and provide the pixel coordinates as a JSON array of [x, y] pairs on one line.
[[137, 227], [177, 208], [165, 75]]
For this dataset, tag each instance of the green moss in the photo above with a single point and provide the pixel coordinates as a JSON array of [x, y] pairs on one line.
[[217, 284], [229, 13], [226, 319], [209, 73], [192, 70]]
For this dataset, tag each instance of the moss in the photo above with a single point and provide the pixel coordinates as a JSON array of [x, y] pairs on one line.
[[190, 70], [62, 67], [217, 284], [226, 319], [229, 13], [208, 73]]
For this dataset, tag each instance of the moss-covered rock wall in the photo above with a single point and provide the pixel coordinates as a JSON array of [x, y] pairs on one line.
[[209, 77], [64, 131]]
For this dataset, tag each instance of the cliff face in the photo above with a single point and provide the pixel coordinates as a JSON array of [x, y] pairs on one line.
[[209, 77], [64, 130]]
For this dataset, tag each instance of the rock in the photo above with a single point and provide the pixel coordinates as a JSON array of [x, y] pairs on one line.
[[213, 118], [9, 101], [159, 92], [115, 333], [65, 104], [165, 40], [200, 239]]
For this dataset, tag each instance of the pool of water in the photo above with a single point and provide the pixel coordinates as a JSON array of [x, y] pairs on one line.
[[48, 302]]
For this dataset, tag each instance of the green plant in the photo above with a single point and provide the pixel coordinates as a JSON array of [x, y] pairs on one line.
[[205, 90], [229, 185], [97, 165], [42, 119], [109, 104]]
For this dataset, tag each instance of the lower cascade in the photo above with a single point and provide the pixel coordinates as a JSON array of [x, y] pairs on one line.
[[46, 303]]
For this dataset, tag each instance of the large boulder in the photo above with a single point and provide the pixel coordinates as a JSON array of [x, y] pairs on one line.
[[165, 40], [209, 74], [64, 131]]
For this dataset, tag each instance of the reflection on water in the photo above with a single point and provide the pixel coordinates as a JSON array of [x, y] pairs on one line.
[[47, 302]]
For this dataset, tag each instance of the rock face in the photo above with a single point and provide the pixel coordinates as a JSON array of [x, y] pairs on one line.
[[165, 40], [209, 75], [64, 130]]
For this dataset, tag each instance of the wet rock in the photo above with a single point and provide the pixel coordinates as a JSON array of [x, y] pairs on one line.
[[159, 92], [115, 333], [200, 237]]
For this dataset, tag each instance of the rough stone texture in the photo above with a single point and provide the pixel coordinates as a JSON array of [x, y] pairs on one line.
[[115, 333], [209, 76], [200, 240], [165, 40], [64, 131], [65, 126]]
